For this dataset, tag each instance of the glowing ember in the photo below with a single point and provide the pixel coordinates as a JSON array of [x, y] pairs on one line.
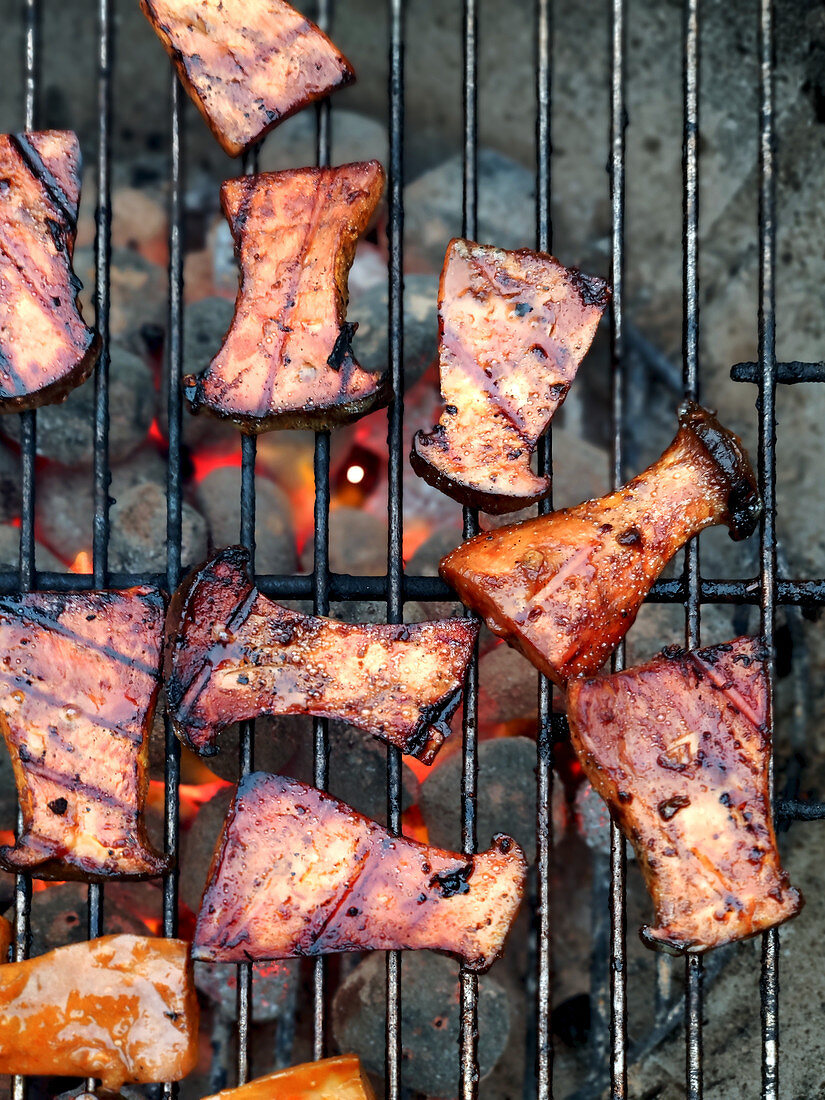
[[355, 475], [82, 562]]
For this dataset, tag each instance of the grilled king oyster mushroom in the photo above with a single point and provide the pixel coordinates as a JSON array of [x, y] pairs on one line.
[[339, 1078], [287, 360], [232, 654], [247, 64], [565, 588], [679, 750], [118, 1008], [296, 872], [513, 329], [45, 348], [79, 678]]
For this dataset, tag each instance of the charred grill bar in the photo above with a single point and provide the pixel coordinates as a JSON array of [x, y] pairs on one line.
[[768, 591]]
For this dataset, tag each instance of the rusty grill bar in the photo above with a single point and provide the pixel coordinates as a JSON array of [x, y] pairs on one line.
[[769, 591]]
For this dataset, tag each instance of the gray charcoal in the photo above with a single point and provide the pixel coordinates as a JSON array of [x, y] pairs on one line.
[[277, 740], [354, 137], [430, 1021], [509, 686], [425, 560], [370, 309], [59, 914], [65, 432], [506, 206], [64, 502], [11, 501], [219, 500], [506, 795], [138, 295], [10, 552], [274, 986], [197, 845], [138, 534], [8, 792], [357, 543]]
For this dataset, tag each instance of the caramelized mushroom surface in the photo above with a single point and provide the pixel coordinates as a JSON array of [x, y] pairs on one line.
[[339, 1078], [79, 678], [287, 362], [679, 750], [247, 64], [233, 654], [45, 348], [565, 588], [513, 329], [296, 872], [118, 1008]]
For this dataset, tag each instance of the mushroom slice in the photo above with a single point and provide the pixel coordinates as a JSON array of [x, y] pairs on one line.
[[339, 1078], [565, 588], [296, 872], [45, 348], [79, 678], [118, 1008], [679, 750], [232, 654], [286, 361], [513, 329], [247, 64]]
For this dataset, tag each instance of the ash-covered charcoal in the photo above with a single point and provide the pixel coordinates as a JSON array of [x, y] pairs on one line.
[[247, 64], [430, 1020], [219, 501], [357, 543], [565, 588], [64, 502], [508, 688], [10, 552], [296, 872], [274, 988], [197, 845], [137, 542], [371, 307], [45, 347], [280, 740], [506, 794], [232, 654], [513, 329], [138, 304], [11, 500], [59, 915], [286, 361], [65, 432]]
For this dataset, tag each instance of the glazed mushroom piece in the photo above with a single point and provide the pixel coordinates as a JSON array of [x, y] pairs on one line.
[[566, 587], [287, 359], [118, 1008], [341, 1078], [247, 64], [296, 872], [79, 679], [679, 749], [232, 654], [46, 350], [513, 329]]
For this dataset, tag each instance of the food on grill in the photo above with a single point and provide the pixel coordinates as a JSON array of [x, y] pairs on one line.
[[118, 1008], [45, 348], [338, 1078], [247, 64], [232, 654], [79, 677], [296, 872], [514, 327], [6, 936], [287, 362], [680, 750], [565, 588]]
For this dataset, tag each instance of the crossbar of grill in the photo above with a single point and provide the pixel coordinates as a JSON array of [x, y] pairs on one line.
[[768, 590]]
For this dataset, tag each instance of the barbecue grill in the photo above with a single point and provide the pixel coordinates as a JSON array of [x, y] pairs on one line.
[[690, 590]]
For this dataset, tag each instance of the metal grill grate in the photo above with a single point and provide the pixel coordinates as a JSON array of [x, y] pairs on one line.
[[691, 590]]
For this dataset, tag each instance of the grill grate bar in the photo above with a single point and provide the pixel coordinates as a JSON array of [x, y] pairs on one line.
[[769, 985], [690, 342], [468, 1039], [395, 479], [788, 374], [320, 575], [544, 731], [618, 869]]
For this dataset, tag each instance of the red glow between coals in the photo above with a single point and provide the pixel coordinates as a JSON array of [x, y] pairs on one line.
[[155, 434], [205, 462], [192, 797]]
